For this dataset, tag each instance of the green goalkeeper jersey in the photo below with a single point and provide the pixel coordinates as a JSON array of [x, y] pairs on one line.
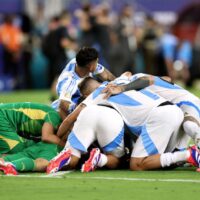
[[28, 118]]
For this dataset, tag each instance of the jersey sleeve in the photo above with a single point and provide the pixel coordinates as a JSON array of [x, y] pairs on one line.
[[99, 69], [53, 118], [136, 76], [66, 87], [121, 80]]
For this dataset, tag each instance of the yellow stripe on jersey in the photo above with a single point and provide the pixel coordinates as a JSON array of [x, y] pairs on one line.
[[11, 143], [32, 113]]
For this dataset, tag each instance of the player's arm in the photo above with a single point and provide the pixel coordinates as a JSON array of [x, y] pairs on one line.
[[49, 136], [63, 109], [68, 123], [106, 75], [137, 84]]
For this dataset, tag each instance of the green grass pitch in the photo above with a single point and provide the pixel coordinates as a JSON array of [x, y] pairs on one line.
[[179, 184]]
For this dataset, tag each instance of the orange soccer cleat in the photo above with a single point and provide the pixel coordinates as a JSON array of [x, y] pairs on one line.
[[92, 162], [8, 168], [62, 159]]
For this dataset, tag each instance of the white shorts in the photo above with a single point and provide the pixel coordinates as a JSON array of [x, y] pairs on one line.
[[98, 123], [160, 132]]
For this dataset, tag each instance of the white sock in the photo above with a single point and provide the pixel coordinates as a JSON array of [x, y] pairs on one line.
[[74, 151], [192, 129], [103, 160], [167, 159]]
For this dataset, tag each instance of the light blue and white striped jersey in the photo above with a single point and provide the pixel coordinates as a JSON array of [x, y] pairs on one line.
[[172, 93], [67, 86], [134, 106]]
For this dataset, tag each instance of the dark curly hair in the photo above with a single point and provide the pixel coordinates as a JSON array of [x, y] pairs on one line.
[[86, 55]]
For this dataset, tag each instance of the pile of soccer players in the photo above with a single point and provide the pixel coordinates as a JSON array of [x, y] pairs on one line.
[[150, 116]]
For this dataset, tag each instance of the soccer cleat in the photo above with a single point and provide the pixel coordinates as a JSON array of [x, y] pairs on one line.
[[62, 159], [92, 162], [8, 168], [194, 157]]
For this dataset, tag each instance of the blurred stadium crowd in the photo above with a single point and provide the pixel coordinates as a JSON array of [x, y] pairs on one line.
[[35, 44]]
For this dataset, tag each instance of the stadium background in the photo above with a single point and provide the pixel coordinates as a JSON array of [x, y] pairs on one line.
[[130, 35], [30, 81]]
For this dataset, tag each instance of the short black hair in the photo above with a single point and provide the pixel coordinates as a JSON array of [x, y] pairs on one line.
[[86, 55]]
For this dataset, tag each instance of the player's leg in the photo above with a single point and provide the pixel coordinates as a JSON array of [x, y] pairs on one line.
[[40, 165], [191, 126], [80, 138], [12, 163], [192, 156], [41, 153], [110, 132], [33, 158], [162, 125], [162, 159], [23, 164], [83, 133], [191, 123]]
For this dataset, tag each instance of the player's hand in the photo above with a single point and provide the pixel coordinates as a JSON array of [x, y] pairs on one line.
[[127, 74], [111, 90]]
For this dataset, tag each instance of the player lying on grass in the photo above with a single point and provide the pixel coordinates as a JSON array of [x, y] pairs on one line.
[[21, 124], [85, 63], [95, 123], [188, 103], [150, 117], [33, 158]]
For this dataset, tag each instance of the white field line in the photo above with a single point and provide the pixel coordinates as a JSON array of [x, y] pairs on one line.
[[54, 175], [62, 173], [136, 179]]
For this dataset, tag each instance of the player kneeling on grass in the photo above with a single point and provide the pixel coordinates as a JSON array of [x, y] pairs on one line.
[[144, 158], [99, 123], [33, 158], [150, 117]]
